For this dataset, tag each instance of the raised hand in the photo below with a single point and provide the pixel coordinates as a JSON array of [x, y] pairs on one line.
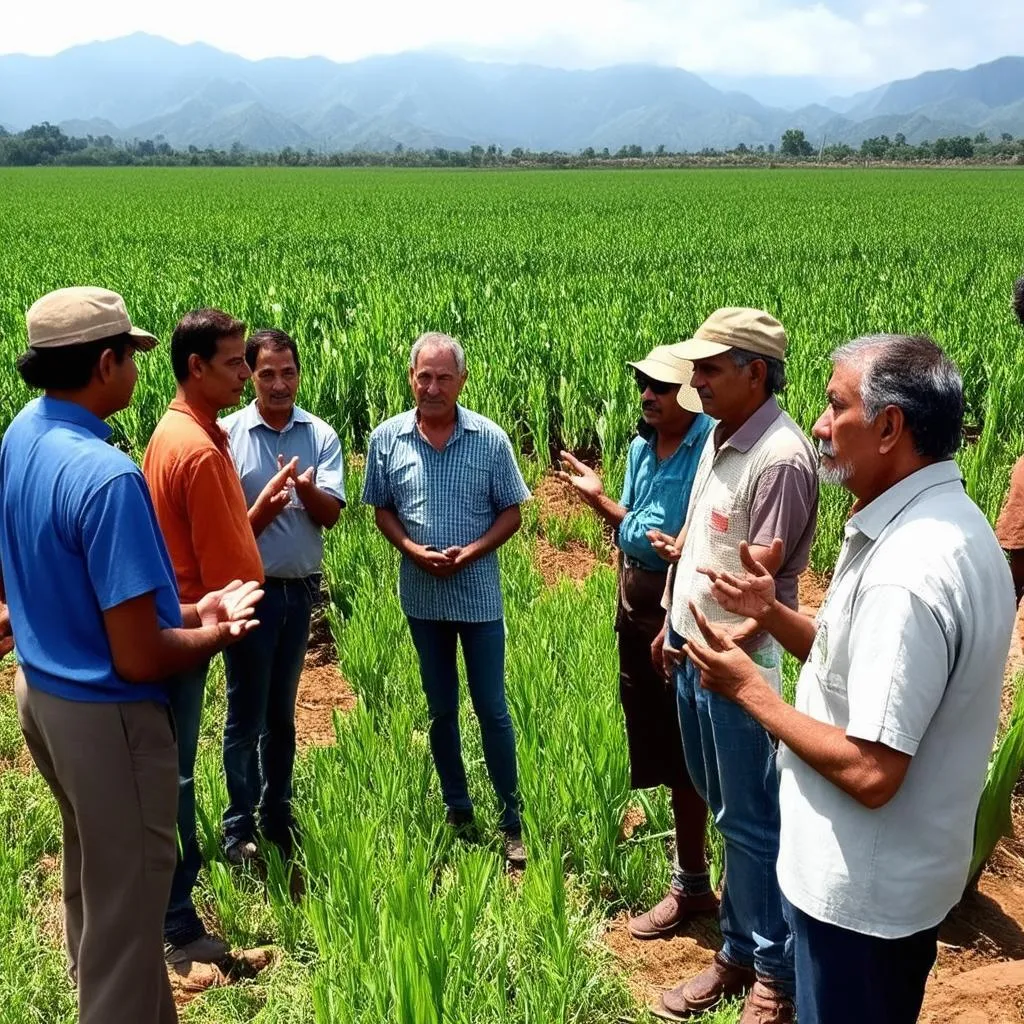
[[584, 480], [751, 595], [724, 667], [233, 606]]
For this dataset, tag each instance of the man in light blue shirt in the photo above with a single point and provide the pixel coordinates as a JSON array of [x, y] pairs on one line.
[[660, 469], [290, 464], [446, 489]]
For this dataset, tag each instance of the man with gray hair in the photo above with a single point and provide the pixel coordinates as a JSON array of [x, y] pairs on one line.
[[883, 758], [446, 491]]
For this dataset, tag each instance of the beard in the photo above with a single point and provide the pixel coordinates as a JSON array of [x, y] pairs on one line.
[[836, 474]]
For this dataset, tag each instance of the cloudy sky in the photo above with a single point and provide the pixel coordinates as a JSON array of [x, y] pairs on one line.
[[859, 42]]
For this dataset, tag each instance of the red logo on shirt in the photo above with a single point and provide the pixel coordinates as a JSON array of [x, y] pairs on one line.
[[719, 521]]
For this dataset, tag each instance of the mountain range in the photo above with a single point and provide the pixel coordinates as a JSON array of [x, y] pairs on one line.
[[142, 86]]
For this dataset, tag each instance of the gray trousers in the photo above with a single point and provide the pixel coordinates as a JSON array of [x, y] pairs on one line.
[[113, 770]]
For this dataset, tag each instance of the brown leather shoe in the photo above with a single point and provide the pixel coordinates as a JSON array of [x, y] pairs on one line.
[[767, 1004], [721, 980], [670, 913]]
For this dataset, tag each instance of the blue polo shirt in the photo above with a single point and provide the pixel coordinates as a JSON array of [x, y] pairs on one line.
[[78, 536], [292, 546], [657, 493], [445, 499]]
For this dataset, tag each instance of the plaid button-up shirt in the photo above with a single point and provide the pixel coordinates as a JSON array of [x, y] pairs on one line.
[[445, 498]]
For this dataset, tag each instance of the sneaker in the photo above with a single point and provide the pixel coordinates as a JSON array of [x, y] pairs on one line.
[[515, 852], [207, 949], [241, 851], [722, 979], [670, 913]]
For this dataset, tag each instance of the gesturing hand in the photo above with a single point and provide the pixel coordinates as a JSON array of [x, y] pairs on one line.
[[584, 480], [233, 606], [6, 637], [664, 545], [752, 594], [724, 667]]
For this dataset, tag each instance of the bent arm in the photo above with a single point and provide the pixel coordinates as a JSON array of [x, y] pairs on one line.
[[143, 652], [508, 521]]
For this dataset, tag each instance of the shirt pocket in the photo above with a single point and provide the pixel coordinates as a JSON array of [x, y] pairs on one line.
[[408, 481]]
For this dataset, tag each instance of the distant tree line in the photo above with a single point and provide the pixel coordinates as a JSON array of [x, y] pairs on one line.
[[46, 144]]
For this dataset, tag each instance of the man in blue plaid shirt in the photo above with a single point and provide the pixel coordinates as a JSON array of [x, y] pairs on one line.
[[446, 491]]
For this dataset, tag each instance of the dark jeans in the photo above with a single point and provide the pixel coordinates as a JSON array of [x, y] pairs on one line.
[[483, 647], [182, 924], [263, 672], [844, 977]]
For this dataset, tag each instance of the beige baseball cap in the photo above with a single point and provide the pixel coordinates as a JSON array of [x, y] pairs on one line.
[[75, 316], [664, 364], [752, 330]]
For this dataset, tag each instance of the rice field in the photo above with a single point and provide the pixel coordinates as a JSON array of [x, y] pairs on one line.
[[551, 280]]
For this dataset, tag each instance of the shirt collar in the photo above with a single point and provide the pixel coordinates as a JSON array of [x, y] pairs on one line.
[[251, 418], [751, 431], [213, 429], [72, 412], [873, 518], [693, 434], [462, 423]]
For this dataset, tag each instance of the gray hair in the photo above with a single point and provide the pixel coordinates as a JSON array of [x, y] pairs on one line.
[[435, 339], [912, 373], [775, 373]]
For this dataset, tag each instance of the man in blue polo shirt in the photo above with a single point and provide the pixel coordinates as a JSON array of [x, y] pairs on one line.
[[97, 624], [263, 671], [446, 491], [660, 468]]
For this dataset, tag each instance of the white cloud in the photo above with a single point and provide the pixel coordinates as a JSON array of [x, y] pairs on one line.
[[862, 40]]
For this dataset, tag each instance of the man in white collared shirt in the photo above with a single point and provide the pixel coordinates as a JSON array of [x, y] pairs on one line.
[[883, 759]]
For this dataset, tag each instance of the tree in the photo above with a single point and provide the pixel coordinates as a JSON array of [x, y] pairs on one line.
[[794, 143], [1006, 137]]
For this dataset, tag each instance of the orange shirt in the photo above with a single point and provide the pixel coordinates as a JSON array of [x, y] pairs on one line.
[[199, 503]]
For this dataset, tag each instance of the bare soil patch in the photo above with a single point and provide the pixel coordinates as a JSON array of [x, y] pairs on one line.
[[812, 588], [556, 498], [7, 677], [322, 688], [575, 561]]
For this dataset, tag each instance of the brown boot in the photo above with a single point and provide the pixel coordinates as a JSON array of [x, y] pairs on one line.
[[721, 980], [670, 913], [767, 1004]]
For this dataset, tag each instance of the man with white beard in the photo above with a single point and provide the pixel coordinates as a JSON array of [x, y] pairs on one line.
[[883, 758]]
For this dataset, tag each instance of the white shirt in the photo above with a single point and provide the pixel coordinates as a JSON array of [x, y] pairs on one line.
[[910, 649]]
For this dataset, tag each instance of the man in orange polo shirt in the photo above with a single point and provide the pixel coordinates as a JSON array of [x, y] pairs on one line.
[[203, 515]]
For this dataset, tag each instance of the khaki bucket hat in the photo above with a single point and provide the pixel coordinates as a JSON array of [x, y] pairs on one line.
[[664, 364], [76, 316], [752, 330]]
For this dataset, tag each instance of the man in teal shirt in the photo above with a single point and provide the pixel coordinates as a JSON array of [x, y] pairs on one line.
[[660, 469]]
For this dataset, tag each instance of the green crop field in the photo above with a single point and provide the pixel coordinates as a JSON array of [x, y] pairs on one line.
[[551, 280]]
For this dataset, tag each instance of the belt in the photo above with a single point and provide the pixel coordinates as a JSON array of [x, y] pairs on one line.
[[629, 562]]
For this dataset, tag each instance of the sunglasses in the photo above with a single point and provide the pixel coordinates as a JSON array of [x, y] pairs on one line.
[[659, 387]]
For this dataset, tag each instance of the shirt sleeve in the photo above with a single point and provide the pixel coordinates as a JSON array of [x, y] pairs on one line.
[[785, 497], [222, 538], [124, 550], [1010, 525], [508, 487], [376, 486], [899, 669], [626, 501], [330, 467]]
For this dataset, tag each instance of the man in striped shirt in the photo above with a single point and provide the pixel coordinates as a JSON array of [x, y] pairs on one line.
[[446, 489]]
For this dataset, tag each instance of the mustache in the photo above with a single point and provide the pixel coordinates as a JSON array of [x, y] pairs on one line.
[[648, 406], [825, 448]]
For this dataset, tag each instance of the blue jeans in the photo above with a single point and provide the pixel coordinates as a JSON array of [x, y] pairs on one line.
[[263, 672], [181, 923], [731, 760], [844, 977], [483, 647]]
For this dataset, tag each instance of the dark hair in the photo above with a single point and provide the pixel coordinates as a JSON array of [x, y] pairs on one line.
[[775, 369], [914, 374], [1018, 299], [69, 367], [274, 340], [197, 334]]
